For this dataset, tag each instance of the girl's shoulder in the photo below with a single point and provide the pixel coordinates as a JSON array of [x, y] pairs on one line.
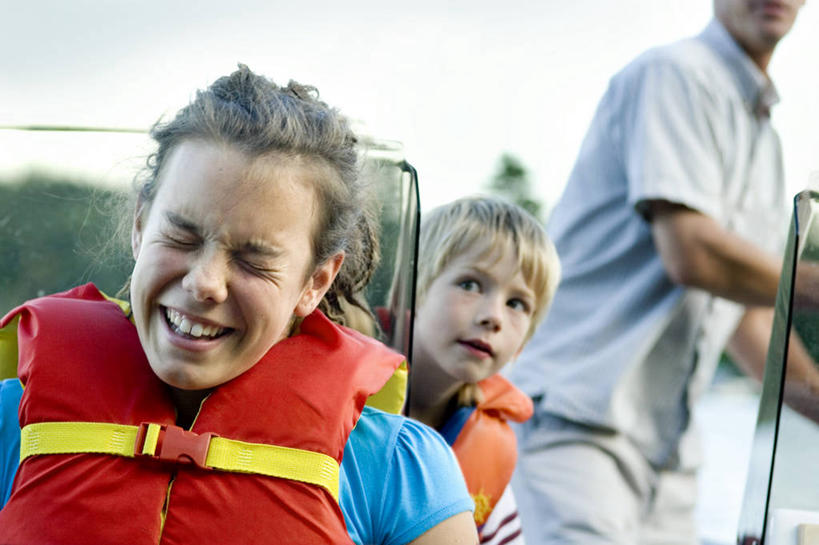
[[385, 424], [399, 478]]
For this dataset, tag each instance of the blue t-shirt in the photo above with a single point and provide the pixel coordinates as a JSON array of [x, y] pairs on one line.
[[10, 392], [398, 477]]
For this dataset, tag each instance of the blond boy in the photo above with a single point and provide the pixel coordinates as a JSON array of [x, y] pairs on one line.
[[486, 276]]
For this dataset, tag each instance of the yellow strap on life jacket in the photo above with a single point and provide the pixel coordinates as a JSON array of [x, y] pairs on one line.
[[275, 461], [222, 454]]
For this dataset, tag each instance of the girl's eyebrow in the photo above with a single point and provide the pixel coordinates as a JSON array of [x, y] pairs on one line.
[[260, 248], [180, 222]]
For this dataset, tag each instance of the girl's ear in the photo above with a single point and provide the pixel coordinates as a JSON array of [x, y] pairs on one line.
[[136, 230], [318, 284]]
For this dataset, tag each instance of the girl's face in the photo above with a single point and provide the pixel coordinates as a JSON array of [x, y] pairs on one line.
[[223, 262]]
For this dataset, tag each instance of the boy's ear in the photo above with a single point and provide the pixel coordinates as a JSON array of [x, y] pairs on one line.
[[318, 284]]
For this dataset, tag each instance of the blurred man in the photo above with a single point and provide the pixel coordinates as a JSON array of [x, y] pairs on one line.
[[668, 231]]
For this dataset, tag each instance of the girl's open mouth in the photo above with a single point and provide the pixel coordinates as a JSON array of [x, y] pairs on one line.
[[187, 327]]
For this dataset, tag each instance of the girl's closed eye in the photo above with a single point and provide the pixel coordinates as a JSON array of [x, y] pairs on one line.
[[178, 231], [181, 240], [255, 265]]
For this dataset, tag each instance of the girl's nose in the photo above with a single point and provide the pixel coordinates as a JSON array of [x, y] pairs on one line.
[[207, 277]]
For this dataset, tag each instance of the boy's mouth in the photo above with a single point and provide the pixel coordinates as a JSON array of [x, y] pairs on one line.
[[478, 345], [186, 326]]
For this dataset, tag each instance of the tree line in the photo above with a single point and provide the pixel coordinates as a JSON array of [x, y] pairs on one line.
[[57, 233]]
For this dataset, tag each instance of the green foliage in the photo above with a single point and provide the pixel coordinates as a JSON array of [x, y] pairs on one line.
[[511, 181], [56, 234]]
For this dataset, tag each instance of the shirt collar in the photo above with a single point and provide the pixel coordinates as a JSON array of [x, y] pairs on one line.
[[757, 88]]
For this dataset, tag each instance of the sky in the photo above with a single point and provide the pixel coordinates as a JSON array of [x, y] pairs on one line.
[[458, 83]]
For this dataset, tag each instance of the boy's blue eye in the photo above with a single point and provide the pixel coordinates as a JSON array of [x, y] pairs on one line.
[[469, 285], [518, 304]]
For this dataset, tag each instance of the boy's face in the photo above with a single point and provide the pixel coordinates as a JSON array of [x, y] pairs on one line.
[[474, 317]]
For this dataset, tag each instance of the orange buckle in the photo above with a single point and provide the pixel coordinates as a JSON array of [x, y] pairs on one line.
[[176, 445]]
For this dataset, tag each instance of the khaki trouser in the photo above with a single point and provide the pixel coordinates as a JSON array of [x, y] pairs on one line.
[[577, 485]]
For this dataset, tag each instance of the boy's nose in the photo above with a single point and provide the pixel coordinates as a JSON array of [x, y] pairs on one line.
[[207, 277], [490, 314]]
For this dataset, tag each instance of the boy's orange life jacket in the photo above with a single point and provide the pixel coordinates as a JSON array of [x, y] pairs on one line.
[[80, 360], [486, 447]]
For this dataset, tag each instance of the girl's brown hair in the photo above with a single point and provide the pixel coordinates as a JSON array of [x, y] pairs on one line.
[[258, 117]]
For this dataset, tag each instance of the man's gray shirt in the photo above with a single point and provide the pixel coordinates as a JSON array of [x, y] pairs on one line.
[[624, 348]]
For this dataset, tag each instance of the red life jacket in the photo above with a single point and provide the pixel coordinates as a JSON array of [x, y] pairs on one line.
[[80, 361], [486, 447]]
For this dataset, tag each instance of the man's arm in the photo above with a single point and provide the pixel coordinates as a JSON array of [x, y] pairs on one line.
[[748, 348], [698, 252]]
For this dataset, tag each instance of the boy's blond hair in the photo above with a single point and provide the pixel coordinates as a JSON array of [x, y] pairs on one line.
[[450, 230]]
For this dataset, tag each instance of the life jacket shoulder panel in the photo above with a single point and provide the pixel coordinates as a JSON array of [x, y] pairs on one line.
[[486, 447]]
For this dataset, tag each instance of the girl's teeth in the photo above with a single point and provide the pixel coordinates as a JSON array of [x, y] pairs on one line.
[[185, 326]]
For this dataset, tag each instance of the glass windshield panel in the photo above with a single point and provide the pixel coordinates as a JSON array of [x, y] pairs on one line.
[[391, 291], [781, 503]]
